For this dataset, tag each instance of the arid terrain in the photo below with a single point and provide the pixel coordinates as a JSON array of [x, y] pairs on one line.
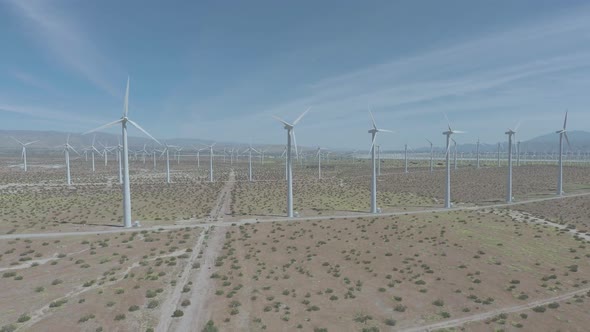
[[221, 256]]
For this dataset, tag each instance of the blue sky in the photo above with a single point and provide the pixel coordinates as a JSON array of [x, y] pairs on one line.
[[218, 69]]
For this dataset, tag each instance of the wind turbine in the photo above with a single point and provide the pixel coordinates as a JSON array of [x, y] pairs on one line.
[[210, 161], [67, 147], [562, 133], [24, 151], [126, 185], [250, 149], [319, 154], [92, 150], [167, 152], [510, 134], [290, 128], [198, 156], [448, 133], [178, 149], [406, 158], [262, 151], [431, 156], [373, 131]]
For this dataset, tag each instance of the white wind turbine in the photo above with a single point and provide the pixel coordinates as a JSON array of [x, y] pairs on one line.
[[24, 151], [562, 133], [406, 158], [67, 147], [210, 161], [431, 156], [262, 151], [178, 149], [167, 152], [126, 185], [250, 149], [511, 133], [448, 133], [373, 131], [198, 155], [92, 150], [290, 128], [319, 154]]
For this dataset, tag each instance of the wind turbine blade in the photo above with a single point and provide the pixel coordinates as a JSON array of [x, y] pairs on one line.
[[448, 149], [448, 122], [567, 140], [565, 120], [295, 142], [19, 142], [104, 126], [372, 118], [143, 131], [301, 116], [71, 147], [517, 126], [126, 102], [385, 130], [68, 140], [29, 143], [372, 143], [282, 121], [458, 132], [427, 140]]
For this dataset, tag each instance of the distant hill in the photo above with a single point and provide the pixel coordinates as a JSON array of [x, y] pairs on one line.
[[579, 140], [53, 139]]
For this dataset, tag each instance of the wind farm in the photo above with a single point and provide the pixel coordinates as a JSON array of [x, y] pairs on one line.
[[163, 187]]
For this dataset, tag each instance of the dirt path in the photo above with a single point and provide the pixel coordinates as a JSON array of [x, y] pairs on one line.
[[172, 301], [39, 262], [485, 315], [222, 205], [312, 218], [196, 314], [528, 217]]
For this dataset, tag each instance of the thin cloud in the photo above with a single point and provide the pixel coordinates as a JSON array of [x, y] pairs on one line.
[[66, 42]]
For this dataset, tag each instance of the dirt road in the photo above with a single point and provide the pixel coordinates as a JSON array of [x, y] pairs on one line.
[[485, 315], [195, 316]]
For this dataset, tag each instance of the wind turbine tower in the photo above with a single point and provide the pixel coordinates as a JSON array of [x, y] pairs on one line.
[[126, 185], [431, 156], [373, 131], [448, 133], [290, 128], [562, 133], [406, 158], [511, 133]]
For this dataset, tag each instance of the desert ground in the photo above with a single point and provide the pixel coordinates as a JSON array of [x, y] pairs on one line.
[[221, 256]]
